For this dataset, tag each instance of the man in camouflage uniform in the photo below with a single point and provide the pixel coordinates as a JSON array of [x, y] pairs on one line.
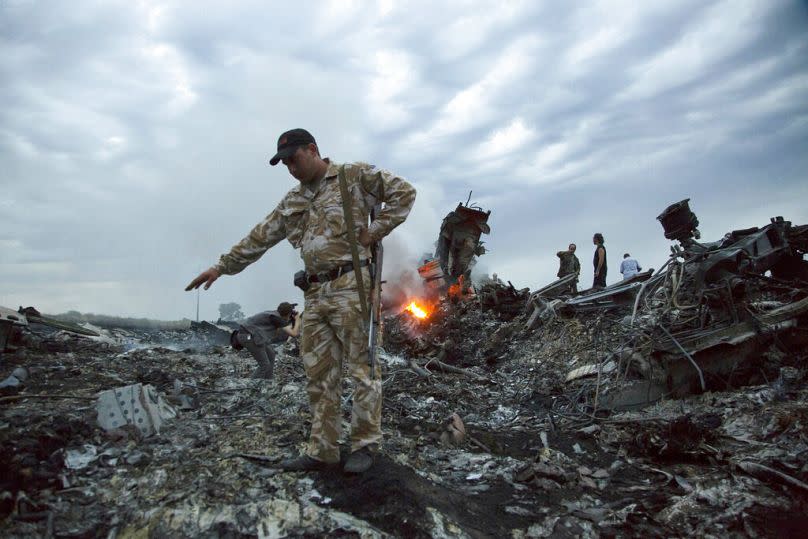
[[311, 217], [569, 264]]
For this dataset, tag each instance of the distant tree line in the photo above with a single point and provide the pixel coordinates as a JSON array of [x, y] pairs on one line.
[[106, 321]]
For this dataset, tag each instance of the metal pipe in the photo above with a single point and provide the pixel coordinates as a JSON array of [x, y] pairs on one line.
[[677, 284]]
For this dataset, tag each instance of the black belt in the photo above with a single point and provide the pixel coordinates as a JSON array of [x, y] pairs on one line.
[[330, 275]]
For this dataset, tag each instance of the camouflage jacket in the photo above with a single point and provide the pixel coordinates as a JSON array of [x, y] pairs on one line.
[[569, 263], [314, 222]]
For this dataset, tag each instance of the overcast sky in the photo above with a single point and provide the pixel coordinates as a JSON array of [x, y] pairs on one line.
[[134, 136]]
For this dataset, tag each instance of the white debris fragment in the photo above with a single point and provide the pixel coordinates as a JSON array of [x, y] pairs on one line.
[[590, 370], [76, 459], [137, 405], [16, 379], [290, 388]]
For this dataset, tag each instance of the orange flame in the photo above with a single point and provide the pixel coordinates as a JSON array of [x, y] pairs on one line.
[[417, 312], [459, 289]]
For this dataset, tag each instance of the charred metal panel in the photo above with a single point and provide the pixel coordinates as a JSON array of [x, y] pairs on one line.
[[620, 293], [8, 319], [459, 241]]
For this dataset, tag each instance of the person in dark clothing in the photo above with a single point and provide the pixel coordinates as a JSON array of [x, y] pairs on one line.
[[599, 261], [258, 333]]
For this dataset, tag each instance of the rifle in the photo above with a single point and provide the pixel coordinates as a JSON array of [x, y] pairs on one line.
[[373, 317], [377, 258]]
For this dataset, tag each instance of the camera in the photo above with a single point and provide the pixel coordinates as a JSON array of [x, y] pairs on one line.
[[301, 280]]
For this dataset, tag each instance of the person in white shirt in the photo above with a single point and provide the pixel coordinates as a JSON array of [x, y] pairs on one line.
[[629, 267]]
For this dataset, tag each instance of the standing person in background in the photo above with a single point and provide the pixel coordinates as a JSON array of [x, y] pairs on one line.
[[599, 261], [569, 264], [629, 267]]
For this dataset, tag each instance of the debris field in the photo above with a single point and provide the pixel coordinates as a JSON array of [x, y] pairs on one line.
[[671, 405]]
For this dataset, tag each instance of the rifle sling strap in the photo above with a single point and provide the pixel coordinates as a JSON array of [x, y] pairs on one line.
[[351, 233]]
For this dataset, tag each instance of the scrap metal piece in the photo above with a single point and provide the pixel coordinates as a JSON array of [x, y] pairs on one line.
[[34, 317], [632, 396], [13, 317], [137, 405], [540, 308], [8, 319], [432, 274], [590, 370], [785, 312], [218, 334], [752, 250], [556, 288], [543, 311], [17, 378], [622, 293]]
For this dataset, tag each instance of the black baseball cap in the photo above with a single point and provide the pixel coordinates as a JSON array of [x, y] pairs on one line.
[[285, 309], [289, 142]]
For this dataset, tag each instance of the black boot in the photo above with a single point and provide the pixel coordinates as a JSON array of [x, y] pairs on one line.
[[360, 461]]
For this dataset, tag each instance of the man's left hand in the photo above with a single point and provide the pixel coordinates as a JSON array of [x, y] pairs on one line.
[[364, 237]]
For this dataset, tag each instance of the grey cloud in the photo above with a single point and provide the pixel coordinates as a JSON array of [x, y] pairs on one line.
[[134, 143]]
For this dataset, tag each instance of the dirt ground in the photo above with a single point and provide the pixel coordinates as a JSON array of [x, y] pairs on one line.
[[528, 460]]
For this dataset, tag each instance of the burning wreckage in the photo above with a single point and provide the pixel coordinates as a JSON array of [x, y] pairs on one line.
[[458, 245], [671, 404]]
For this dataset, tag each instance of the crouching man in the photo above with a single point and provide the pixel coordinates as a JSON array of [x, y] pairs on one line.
[[258, 333]]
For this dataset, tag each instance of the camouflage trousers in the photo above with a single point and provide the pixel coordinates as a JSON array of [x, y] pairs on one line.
[[333, 334]]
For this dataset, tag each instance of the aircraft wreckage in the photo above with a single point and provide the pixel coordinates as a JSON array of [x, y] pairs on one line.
[[709, 311]]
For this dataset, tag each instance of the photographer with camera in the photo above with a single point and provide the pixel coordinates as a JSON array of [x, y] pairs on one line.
[[258, 333]]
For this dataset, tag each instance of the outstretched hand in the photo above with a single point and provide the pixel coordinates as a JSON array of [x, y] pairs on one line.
[[207, 277]]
